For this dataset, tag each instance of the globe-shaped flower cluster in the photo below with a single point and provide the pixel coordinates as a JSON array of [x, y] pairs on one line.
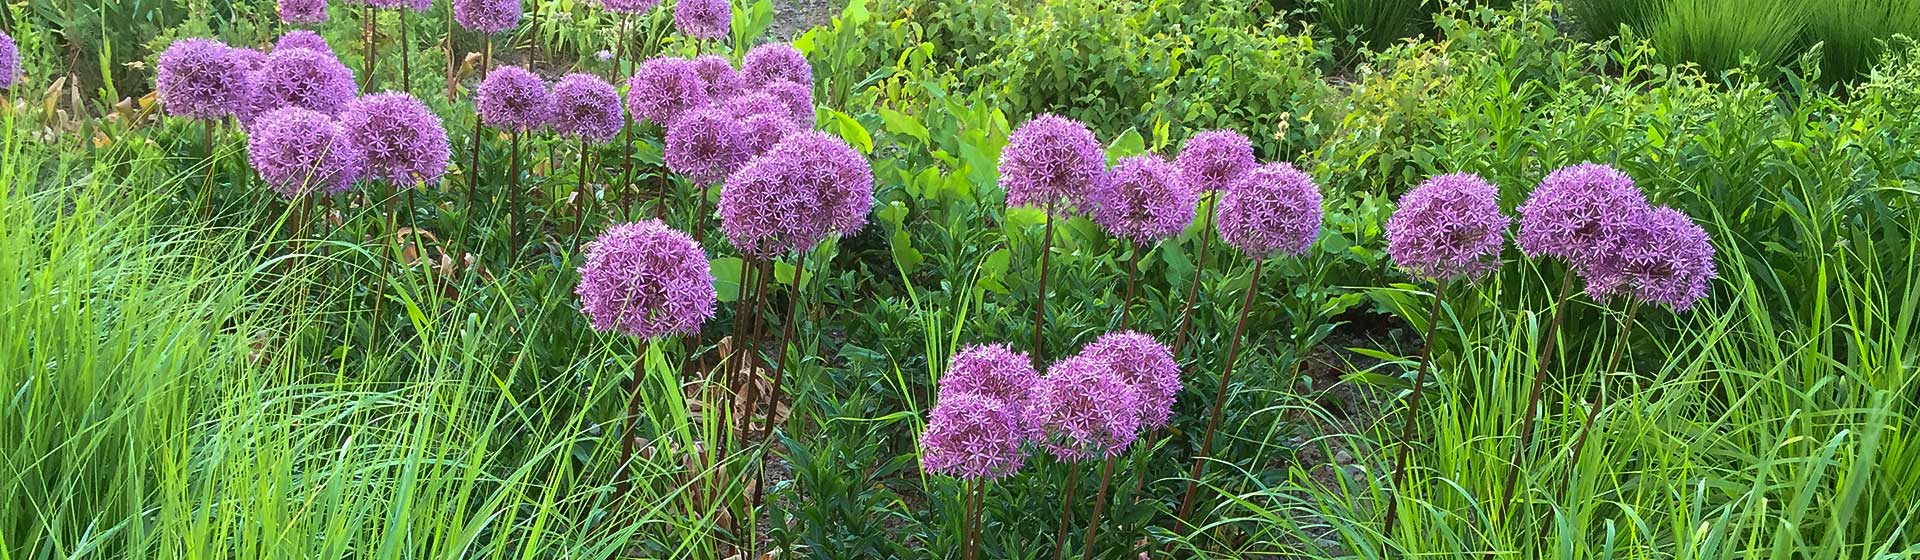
[[1273, 210], [1577, 212], [1145, 200], [1083, 409], [303, 12], [487, 16], [1448, 227], [972, 437], [663, 88], [1660, 256], [202, 79], [300, 152], [703, 19], [305, 78], [303, 39], [628, 6], [1147, 366], [807, 187], [511, 98], [776, 62], [585, 107], [9, 61], [403, 141], [704, 145], [646, 280], [1215, 159], [1050, 160], [717, 73]]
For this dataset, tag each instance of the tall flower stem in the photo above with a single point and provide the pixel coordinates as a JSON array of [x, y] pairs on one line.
[[731, 360], [1599, 403], [699, 213], [413, 230], [450, 61], [206, 188], [660, 195], [1545, 359], [513, 193], [743, 376], [632, 425], [1099, 504], [626, 132], [1193, 289], [780, 366], [380, 284], [367, 15], [970, 529], [1066, 511], [533, 34], [479, 130], [406, 64], [1220, 396], [582, 200], [1126, 305], [1413, 408], [1040, 307]]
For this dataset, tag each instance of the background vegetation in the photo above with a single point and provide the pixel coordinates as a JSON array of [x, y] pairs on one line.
[[209, 388]]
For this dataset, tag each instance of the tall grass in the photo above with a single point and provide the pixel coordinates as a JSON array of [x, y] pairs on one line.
[[1717, 34]]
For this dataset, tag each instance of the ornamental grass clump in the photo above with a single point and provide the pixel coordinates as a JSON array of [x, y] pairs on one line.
[[300, 152], [1209, 161], [1577, 214], [1273, 210], [647, 281], [1047, 162], [1448, 228]]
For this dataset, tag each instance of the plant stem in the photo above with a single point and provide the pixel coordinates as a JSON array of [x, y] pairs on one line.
[[581, 197], [700, 214], [743, 372], [1599, 403], [206, 188], [632, 426], [1066, 511], [1040, 309], [1193, 289], [513, 192], [479, 130], [970, 530], [1099, 503], [1220, 396], [1413, 408], [450, 61], [406, 65], [380, 294], [1126, 305], [367, 15], [780, 365], [533, 34], [1539, 378]]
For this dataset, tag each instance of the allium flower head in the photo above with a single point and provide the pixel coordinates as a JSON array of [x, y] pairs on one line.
[[512, 98], [664, 88], [717, 73], [1144, 200], [303, 39], [1082, 410], [487, 16], [1215, 159], [796, 97], [1146, 365], [993, 371], [251, 59], [703, 19], [1660, 256], [401, 139], [1576, 211], [646, 280], [303, 12], [760, 133], [705, 145], [628, 6], [1448, 227], [584, 106], [807, 187], [202, 79], [775, 62], [298, 152], [1273, 210], [302, 77], [972, 437], [1051, 159], [752, 104], [9, 61]]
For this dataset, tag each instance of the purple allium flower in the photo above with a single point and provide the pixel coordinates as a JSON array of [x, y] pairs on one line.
[[1660, 256], [1145, 200], [1576, 211], [972, 437], [703, 19], [303, 39], [512, 98], [302, 77], [775, 62], [415, 5], [303, 12], [487, 16], [628, 6], [1215, 159], [807, 187], [717, 73], [9, 61], [760, 133], [705, 145], [401, 139], [796, 97], [299, 151], [1145, 364], [1082, 409], [646, 280], [202, 79], [1051, 159], [665, 87], [1273, 210], [584, 106], [993, 371], [752, 104], [253, 60], [1448, 227]]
